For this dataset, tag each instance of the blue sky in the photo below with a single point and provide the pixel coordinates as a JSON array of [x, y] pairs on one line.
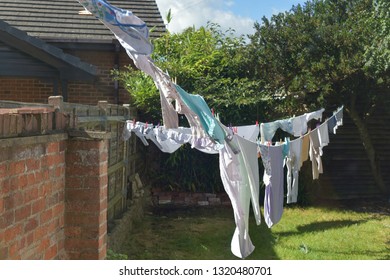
[[237, 14]]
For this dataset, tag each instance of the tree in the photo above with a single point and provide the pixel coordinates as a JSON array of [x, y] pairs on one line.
[[377, 54], [314, 55]]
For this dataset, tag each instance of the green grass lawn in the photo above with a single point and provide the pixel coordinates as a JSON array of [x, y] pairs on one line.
[[310, 233]]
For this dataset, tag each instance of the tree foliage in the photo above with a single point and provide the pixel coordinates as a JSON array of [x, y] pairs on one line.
[[326, 53], [377, 54], [320, 54], [315, 53]]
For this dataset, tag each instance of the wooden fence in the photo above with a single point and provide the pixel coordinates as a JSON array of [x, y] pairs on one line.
[[91, 121]]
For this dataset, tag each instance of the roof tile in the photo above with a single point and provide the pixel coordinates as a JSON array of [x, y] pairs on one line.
[[59, 20]]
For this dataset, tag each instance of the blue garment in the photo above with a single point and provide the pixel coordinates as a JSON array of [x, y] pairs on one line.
[[131, 32], [332, 124], [269, 129], [198, 105], [273, 178]]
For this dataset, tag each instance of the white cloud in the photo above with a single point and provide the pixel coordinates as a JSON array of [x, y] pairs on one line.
[[198, 12]]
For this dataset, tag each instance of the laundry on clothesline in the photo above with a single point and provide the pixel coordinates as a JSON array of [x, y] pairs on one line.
[[294, 153], [273, 178], [307, 146], [239, 174], [296, 126], [130, 30], [237, 146]]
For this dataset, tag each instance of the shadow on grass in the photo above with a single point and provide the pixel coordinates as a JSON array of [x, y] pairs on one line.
[[264, 241], [194, 233], [322, 226]]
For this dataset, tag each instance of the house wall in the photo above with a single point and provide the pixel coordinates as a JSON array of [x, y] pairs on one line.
[[104, 88], [38, 89], [25, 89]]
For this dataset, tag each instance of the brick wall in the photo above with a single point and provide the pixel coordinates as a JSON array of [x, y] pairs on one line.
[[38, 90], [177, 198], [86, 199], [25, 89], [104, 88], [32, 190], [53, 188]]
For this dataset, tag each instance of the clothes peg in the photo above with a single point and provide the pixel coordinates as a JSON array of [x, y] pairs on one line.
[[257, 123], [212, 111]]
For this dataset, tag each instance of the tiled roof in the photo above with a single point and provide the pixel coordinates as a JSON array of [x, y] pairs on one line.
[[59, 20]]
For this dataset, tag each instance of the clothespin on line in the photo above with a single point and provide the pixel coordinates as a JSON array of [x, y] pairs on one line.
[[262, 138]]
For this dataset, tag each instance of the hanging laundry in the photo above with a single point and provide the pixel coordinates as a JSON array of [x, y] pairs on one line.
[[167, 96], [239, 195], [273, 178], [250, 168], [305, 148], [332, 124], [168, 144], [293, 163], [249, 132], [335, 120], [339, 116], [197, 105], [268, 130], [183, 135], [138, 128], [300, 123], [131, 32], [315, 153], [323, 134]]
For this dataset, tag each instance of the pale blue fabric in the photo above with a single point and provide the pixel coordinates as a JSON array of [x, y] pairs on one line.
[[270, 128], [198, 105], [273, 178], [131, 32], [332, 124]]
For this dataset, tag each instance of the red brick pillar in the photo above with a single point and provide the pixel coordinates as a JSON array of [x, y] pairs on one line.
[[86, 198]]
